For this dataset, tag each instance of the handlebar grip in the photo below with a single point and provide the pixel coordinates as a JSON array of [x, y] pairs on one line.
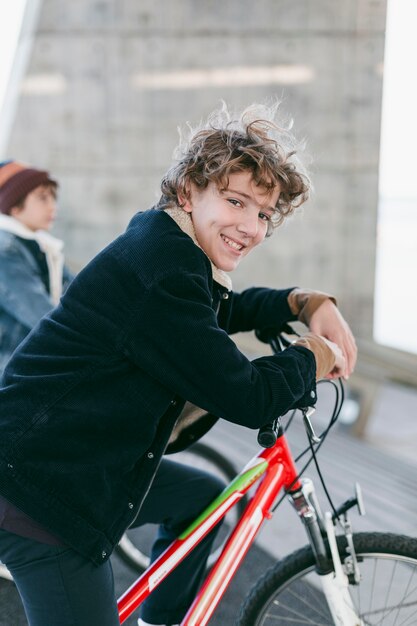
[[268, 434]]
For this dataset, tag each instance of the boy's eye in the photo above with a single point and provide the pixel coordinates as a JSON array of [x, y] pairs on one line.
[[235, 202], [265, 217]]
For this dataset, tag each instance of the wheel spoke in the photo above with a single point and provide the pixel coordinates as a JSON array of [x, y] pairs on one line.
[[291, 605]]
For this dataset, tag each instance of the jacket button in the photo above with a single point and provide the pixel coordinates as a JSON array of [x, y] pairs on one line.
[[9, 465], [312, 395], [150, 455], [103, 554], [173, 403], [225, 296], [130, 505]]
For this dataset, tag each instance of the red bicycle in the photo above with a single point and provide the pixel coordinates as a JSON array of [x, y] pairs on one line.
[[338, 579]]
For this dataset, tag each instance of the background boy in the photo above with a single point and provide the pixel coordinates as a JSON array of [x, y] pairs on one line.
[[32, 271]]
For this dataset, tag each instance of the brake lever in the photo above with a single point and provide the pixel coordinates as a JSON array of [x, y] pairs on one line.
[[307, 413]]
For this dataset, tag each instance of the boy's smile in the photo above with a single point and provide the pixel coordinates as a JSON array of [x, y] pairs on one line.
[[230, 222]]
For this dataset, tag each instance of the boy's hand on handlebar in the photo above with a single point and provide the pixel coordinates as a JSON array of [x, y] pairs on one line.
[[328, 322], [339, 369], [330, 362]]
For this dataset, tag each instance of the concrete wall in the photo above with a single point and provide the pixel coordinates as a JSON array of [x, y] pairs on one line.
[[89, 111]]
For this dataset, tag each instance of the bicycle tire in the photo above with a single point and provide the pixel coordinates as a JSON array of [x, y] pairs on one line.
[[137, 557], [289, 593]]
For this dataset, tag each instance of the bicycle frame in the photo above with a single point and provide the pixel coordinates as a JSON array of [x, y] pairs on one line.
[[277, 469]]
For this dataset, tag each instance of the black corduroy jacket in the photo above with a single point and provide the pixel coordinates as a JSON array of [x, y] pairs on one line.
[[91, 397]]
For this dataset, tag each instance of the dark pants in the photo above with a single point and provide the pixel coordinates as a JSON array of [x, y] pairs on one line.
[[61, 588]]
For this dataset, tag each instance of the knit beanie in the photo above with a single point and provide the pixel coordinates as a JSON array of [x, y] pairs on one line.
[[17, 180]]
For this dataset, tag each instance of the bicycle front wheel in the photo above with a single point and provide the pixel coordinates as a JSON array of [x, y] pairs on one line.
[[290, 594]]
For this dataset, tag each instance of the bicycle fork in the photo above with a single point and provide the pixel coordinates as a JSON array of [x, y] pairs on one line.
[[334, 580]]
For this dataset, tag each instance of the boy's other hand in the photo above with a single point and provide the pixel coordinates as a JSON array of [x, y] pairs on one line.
[[328, 322]]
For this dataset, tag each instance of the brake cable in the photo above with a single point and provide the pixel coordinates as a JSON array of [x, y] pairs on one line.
[[314, 448]]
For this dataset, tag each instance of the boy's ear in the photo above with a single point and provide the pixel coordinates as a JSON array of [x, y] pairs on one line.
[[184, 202], [186, 206], [15, 210]]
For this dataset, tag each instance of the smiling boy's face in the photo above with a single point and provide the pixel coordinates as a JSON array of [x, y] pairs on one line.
[[230, 222]]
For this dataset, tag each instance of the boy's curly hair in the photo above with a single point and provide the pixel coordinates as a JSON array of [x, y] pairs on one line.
[[227, 144]]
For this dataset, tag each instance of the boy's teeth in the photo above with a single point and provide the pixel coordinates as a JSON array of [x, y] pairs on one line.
[[231, 243]]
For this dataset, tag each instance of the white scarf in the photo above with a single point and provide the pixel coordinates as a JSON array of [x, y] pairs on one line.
[[184, 221], [51, 246]]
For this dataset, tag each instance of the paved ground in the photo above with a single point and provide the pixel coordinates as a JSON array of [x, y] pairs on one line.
[[385, 464]]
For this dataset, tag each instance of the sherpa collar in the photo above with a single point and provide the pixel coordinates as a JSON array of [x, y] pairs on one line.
[[184, 221]]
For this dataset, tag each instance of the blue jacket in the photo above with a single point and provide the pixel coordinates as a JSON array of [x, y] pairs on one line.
[[91, 397], [24, 298]]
